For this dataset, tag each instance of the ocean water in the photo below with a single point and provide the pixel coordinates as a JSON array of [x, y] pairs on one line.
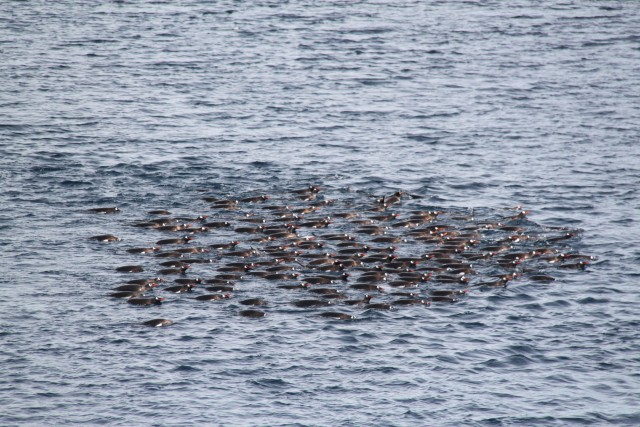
[[475, 106]]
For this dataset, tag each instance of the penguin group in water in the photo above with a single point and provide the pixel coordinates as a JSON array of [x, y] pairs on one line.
[[332, 255]]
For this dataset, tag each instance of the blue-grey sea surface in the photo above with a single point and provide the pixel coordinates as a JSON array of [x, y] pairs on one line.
[[473, 105]]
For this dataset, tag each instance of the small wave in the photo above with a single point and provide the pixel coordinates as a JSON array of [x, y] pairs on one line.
[[269, 383]]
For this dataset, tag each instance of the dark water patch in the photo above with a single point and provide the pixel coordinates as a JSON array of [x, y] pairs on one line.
[[592, 300], [187, 368]]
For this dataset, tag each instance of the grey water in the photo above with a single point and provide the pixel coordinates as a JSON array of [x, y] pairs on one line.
[[471, 104]]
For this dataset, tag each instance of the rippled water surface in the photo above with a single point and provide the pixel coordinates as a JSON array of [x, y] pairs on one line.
[[474, 106]]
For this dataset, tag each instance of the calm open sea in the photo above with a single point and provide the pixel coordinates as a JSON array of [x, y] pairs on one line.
[[473, 105]]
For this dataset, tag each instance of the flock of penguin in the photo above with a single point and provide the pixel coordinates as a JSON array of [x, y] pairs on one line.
[[332, 257]]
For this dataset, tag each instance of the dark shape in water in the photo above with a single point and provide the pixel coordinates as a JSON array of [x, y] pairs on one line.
[[180, 289], [104, 210], [365, 300], [305, 191], [228, 245], [130, 269], [199, 218], [170, 254], [179, 241], [154, 280], [177, 227], [159, 212], [217, 224], [291, 287], [105, 238], [213, 297], [281, 276], [541, 278], [255, 199], [126, 294], [180, 270], [198, 260], [367, 287], [158, 323], [321, 280], [219, 281], [411, 301], [145, 301], [174, 263], [390, 200], [337, 315], [447, 292], [405, 294], [582, 265], [224, 204], [379, 306], [253, 301], [188, 281], [225, 277], [252, 313]]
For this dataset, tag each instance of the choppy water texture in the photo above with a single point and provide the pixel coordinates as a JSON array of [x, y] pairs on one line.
[[481, 105]]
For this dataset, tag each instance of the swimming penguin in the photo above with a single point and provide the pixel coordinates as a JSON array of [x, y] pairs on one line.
[[178, 270], [170, 254], [411, 301], [447, 292], [541, 278], [105, 238], [252, 313], [305, 303], [159, 212], [379, 306], [174, 263], [180, 289], [145, 301], [158, 323], [217, 224], [365, 300], [189, 281], [309, 190], [292, 287], [255, 199], [582, 265], [104, 210], [126, 294], [155, 280], [367, 287], [180, 241], [213, 297], [130, 269], [336, 315]]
